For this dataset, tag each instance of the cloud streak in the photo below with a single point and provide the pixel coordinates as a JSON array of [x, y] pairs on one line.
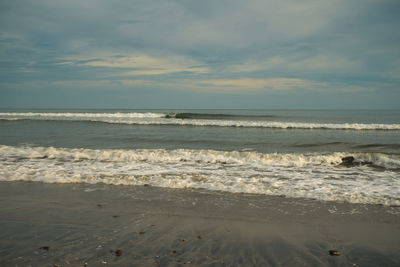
[[289, 48], [146, 65]]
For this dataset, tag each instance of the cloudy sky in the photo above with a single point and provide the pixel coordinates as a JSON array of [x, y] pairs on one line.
[[200, 54]]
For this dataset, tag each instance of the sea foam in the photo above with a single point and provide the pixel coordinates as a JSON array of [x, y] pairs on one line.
[[374, 178]]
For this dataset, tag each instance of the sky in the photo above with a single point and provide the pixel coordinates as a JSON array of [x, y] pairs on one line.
[[253, 54]]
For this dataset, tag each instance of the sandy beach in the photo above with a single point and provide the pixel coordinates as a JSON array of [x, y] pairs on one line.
[[199, 133], [100, 225]]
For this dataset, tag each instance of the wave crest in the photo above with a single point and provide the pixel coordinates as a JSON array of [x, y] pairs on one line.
[[137, 118], [319, 176]]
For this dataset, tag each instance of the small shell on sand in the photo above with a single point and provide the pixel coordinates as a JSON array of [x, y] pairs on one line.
[[334, 252], [118, 252]]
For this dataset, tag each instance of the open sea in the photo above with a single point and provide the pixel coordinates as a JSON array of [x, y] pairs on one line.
[[292, 153]]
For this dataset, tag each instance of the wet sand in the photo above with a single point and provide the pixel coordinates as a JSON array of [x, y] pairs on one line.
[[103, 225]]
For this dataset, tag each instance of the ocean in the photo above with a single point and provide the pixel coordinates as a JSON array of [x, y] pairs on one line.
[[328, 155]]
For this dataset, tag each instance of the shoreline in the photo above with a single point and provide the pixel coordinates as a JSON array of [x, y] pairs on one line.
[[84, 223]]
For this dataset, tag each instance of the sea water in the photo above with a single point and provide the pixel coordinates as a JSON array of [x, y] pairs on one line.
[[292, 153]]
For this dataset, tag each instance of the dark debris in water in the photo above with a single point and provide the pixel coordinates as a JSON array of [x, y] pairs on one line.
[[347, 161], [350, 161]]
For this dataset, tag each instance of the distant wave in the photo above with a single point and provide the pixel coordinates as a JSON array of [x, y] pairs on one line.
[[77, 115], [314, 175], [215, 116], [165, 119], [396, 146]]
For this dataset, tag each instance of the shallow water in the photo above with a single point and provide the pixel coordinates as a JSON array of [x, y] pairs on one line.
[[291, 153]]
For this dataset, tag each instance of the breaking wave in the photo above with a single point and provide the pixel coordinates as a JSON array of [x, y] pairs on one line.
[[191, 119], [372, 178], [211, 116]]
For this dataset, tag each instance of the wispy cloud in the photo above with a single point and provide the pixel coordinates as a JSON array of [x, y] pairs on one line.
[[299, 64], [308, 48], [249, 84], [140, 64]]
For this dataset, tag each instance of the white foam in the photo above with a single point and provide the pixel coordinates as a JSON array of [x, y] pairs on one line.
[[294, 175], [159, 119], [78, 116], [277, 124]]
